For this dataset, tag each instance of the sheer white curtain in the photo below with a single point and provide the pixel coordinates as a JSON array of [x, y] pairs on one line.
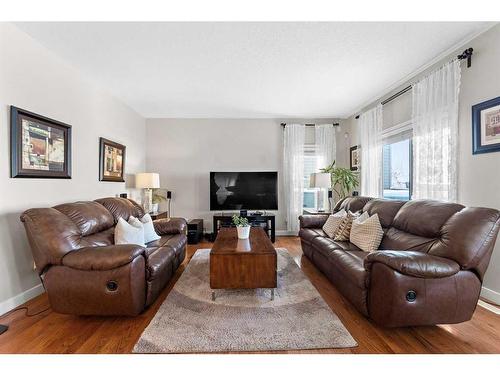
[[435, 133], [370, 127], [325, 145], [293, 171]]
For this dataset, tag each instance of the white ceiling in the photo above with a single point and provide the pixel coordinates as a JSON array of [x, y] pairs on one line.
[[249, 70]]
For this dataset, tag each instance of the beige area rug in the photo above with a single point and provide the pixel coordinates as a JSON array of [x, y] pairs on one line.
[[188, 321]]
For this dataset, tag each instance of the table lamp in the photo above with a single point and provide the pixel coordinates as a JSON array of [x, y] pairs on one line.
[[148, 182], [320, 181]]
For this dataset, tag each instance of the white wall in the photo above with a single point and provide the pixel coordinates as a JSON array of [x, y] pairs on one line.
[[478, 175], [184, 151], [32, 78]]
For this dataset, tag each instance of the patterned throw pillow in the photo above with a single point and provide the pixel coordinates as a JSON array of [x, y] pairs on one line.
[[344, 229], [333, 223], [366, 232]]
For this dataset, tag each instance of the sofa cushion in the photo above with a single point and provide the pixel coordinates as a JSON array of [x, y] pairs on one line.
[[344, 230], [351, 265], [353, 204], [126, 233], [385, 209], [307, 234], [177, 243], [174, 242], [366, 232], [104, 238], [424, 217], [147, 224], [333, 222], [89, 217], [395, 239], [324, 245], [160, 261], [121, 207]]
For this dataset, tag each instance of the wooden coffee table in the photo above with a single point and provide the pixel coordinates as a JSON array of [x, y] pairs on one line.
[[243, 264]]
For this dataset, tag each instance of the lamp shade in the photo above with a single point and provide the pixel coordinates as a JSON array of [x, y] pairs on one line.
[[147, 180], [320, 180]]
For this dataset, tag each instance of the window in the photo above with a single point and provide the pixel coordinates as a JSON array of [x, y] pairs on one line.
[[396, 168], [310, 194]]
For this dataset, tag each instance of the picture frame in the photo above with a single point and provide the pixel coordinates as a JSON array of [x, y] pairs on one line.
[[354, 158], [486, 126], [40, 147], [111, 161]]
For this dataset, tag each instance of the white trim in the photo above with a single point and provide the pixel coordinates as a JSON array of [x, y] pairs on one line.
[[489, 307], [286, 233], [490, 295], [21, 298], [423, 68], [397, 129]]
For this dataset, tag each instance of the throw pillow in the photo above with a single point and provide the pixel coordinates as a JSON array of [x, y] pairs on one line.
[[344, 230], [333, 222], [366, 232], [149, 229], [126, 233]]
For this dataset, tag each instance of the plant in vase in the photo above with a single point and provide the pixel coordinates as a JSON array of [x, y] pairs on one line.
[[242, 227], [159, 195], [343, 180]]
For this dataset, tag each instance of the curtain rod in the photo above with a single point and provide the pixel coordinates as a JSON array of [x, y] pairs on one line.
[[283, 124], [467, 54]]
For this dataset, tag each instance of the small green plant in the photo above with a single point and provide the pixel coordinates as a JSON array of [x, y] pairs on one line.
[[159, 195], [343, 179], [240, 221]]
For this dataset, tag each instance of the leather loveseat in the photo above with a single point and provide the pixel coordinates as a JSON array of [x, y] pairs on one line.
[[428, 270], [85, 273]]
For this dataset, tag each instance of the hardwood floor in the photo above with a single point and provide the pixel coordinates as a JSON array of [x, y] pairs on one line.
[[50, 332]]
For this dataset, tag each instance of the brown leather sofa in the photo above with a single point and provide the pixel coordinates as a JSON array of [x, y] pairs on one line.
[[85, 273], [431, 264]]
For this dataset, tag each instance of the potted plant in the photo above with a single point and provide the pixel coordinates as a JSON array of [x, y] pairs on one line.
[[159, 195], [343, 180], [242, 227]]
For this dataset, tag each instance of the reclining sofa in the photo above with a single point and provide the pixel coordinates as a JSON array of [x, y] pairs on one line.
[[85, 273], [428, 269]]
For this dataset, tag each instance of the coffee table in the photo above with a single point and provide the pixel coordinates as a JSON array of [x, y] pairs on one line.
[[243, 264]]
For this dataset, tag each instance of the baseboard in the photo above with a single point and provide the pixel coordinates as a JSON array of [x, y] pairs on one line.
[[285, 233], [489, 307], [21, 298], [490, 295]]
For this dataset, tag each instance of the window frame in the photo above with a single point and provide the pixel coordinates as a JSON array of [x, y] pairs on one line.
[[388, 136]]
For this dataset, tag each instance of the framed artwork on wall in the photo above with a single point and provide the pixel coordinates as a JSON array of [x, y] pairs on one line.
[[40, 147], [111, 161], [354, 158], [486, 126]]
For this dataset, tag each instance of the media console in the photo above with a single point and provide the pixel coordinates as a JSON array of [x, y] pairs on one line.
[[266, 222]]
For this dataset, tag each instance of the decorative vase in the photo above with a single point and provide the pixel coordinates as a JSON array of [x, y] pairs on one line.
[[243, 232]]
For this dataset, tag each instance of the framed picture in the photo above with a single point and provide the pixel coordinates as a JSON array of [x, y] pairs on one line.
[[486, 126], [111, 161], [40, 147], [354, 159]]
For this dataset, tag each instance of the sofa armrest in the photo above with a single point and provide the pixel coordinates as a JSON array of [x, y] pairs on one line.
[[102, 258], [313, 221], [174, 225], [413, 263]]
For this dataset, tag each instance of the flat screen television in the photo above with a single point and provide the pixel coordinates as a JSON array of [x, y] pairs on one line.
[[243, 191]]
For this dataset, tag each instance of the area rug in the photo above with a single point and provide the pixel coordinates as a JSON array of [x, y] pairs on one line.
[[189, 321]]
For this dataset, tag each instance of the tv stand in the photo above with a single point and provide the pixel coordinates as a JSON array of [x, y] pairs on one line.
[[265, 221]]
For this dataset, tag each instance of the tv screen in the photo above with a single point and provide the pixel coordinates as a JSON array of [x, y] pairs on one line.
[[243, 191]]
